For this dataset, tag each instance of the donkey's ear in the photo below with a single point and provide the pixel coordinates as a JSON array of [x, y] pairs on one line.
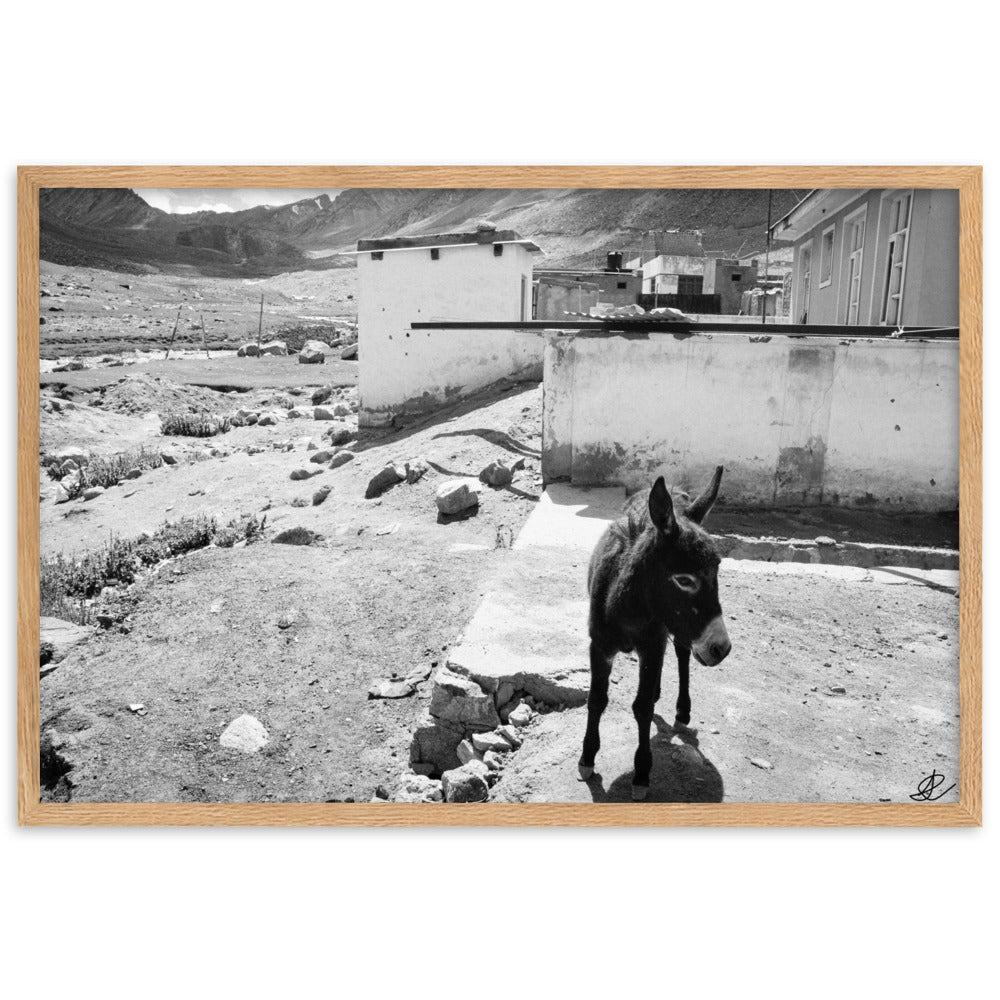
[[698, 509], [661, 507]]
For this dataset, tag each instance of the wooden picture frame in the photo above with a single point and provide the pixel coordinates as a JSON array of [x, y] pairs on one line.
[[966, 812]]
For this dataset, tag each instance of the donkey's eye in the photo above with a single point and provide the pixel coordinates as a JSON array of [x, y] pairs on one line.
[[689, 584]]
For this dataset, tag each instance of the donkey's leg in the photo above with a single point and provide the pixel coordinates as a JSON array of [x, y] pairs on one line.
[[650, 666], [597, 702], [683, 695]]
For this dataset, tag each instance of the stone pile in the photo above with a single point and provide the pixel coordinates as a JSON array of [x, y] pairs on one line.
[[464, 732]]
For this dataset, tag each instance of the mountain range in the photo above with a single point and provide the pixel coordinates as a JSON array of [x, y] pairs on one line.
[[114, 228]]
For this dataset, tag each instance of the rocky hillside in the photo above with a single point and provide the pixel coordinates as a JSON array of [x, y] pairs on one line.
[[116, 229]]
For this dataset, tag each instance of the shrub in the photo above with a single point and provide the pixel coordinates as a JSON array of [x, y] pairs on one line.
[[246, 528], [296, 536], [195, 425]]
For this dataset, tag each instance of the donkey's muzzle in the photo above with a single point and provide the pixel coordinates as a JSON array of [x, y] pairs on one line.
[[713, 645]]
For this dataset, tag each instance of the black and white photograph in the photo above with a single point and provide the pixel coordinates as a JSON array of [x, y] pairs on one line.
[[520, 495]]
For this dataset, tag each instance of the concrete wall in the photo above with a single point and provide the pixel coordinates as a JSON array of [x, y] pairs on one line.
[[930, 290], [794, 420], [558, 297], [410, 371], [729, 280]]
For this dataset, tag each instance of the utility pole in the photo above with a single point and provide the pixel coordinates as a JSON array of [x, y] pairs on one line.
[[173, 334]]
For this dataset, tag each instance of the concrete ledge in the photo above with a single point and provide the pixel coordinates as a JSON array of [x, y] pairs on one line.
[[831, 553]]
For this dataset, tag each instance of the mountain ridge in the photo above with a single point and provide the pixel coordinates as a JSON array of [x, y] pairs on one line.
[[574, 226]]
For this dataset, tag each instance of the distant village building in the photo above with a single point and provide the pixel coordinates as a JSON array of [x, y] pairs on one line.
[[558, 292], [874, 257], [482, 275], [672, 262], [729, 280]]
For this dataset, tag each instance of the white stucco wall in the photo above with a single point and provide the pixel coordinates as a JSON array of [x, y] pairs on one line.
[[793, 420], [408, 371]]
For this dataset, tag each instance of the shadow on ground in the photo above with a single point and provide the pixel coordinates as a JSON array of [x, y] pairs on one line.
[[681, 772]]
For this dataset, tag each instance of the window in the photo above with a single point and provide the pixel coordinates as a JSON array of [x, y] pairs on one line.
[[805, 281], [895, 264], [623, 284], [826, 257], [854, 237], [690, 284]]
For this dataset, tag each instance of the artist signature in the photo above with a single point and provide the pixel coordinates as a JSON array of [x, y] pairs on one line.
[[928, 786]]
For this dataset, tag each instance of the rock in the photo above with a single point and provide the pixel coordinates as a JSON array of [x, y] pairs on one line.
[[311, 356], [62, 636], [416, 469], [93, 492], [267, 420], [838, 689], [133, 474], [435, 742], [465, 784], [248, 351], [321, 395], [456, 495], [275, 347], [245, 734], [505, 691], [466, 751], [496, 474], [341, 434], [511, 735], [341, 458], [323, 455], [490, 741], [169, 457], [825, 540], [383, 480], [72, 454], [425, 769], [296, 536], [520, 717], [941, 635], [459, 699], [313, 444], [320, 495], [349, 353], [341, 410], [389, 689], [61, 496], [297, 474], [764, 765], [492, 760], [418, 788], [322, 413]]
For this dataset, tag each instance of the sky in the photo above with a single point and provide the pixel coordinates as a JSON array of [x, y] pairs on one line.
[[224, 199]]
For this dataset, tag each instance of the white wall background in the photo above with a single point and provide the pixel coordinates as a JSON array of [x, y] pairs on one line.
[[834, 913]]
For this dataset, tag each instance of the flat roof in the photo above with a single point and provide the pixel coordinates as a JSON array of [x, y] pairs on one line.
[[485, 237]]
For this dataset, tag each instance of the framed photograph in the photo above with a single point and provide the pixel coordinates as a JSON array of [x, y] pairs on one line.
[[520, 496]]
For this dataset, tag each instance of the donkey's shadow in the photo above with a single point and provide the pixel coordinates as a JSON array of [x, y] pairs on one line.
[[680, 773]]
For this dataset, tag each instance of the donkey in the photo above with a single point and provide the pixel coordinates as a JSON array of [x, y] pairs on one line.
[[653, 577]]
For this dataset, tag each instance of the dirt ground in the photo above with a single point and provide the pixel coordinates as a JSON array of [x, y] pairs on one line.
[[387, 590], [842, 687]]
